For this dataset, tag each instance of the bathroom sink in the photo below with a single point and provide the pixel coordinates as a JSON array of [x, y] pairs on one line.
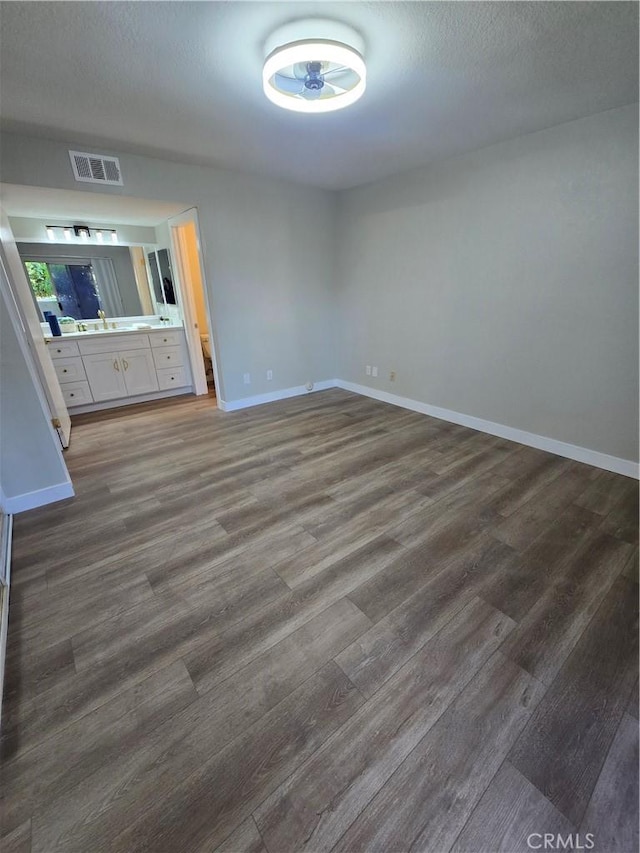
[[119, 329]]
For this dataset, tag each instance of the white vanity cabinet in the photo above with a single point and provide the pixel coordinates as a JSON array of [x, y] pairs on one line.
[[118, 366], [105, 376], [139, 371], [71, 373], [170, 359], [124, 373], [115, 369]]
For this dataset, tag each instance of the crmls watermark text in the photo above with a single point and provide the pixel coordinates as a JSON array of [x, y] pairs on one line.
[[557, 841]]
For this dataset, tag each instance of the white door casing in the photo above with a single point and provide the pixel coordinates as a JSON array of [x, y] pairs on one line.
[[187, 305]]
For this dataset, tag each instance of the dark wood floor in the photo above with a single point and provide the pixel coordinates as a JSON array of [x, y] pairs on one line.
[[321, 624]]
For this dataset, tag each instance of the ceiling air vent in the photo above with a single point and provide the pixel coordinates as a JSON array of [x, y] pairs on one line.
[[95, 168]]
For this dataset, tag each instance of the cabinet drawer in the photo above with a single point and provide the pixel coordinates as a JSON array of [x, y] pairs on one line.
[[168, 357], [77, 393], [69, 369], [63, 349], [169, 377], [166, 339], [112, 342]]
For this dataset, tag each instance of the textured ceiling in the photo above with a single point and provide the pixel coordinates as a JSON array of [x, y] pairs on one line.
[[183, 80]]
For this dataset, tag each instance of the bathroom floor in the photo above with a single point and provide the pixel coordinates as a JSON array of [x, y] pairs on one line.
[[320, 624]]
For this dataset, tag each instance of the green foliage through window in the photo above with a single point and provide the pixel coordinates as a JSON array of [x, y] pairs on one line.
[[40, 279]]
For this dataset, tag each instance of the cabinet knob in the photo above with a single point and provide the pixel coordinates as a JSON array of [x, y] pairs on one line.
[[64, 370], [72, 395], [164, 340]]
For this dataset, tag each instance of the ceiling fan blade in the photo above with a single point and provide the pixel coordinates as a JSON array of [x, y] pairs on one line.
[[333, 90], [313, 94], [300, 70], [288, 84], [344, 77]]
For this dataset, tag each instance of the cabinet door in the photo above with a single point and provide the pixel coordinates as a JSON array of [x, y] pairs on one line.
[[139, 371], [105, 375]]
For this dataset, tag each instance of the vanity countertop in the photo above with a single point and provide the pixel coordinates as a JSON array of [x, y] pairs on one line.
[[73, 336]]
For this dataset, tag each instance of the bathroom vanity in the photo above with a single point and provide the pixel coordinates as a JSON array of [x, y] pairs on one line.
[[114, 367]]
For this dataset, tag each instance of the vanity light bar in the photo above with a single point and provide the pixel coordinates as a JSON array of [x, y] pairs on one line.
[[80, 232]]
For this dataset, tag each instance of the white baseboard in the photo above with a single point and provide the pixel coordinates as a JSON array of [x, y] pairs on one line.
[[31, 500], [274, 396], [6, 523], [561, 448]]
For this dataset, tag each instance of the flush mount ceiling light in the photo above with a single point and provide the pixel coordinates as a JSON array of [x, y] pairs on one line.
[[314, 66]]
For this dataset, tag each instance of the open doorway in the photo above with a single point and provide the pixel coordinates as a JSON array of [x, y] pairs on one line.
[[196, 308], [66, 275]]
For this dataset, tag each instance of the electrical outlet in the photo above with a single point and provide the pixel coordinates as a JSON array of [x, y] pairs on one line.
[[269, 375], [247, 379], [374, 371], [392, 376], [367, 370]]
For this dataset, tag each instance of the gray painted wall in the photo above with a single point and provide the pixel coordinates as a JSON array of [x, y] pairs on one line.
[[501, 284], [120, 256], [29, 457], [268, 253], [504, 284]]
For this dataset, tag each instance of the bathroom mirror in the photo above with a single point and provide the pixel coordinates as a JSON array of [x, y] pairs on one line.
[[78, 281]]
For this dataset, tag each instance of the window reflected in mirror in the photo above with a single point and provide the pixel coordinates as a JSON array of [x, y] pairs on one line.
[[79, 287]]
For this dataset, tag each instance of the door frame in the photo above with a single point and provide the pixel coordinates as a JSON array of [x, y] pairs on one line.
[[185, 297], [30, 332]]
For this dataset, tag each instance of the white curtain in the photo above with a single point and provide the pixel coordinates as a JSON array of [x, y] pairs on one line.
[[107, 283]]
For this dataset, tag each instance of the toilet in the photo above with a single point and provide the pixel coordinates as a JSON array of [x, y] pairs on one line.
[[206, 349], [206, 352]]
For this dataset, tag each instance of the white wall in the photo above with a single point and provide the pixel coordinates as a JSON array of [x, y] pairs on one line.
[[30, 456], [503, 284], [268, 250]]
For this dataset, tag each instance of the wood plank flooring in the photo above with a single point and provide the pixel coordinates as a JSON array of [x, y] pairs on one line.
[[323, 624]]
